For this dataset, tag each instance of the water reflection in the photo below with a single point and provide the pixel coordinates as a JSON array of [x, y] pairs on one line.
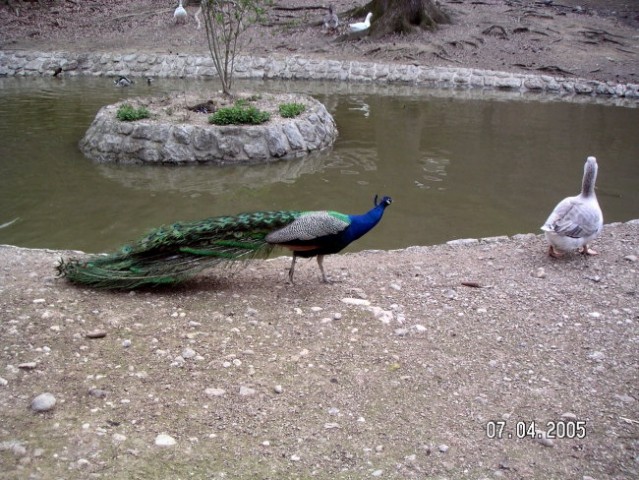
[[211, 179]]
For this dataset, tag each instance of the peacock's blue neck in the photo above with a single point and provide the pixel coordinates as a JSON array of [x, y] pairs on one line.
[[361, 224]]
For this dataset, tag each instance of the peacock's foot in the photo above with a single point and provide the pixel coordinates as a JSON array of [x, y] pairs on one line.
[[554, 253], [587, 251]]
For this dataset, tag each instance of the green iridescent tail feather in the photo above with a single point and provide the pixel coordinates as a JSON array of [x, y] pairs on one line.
[[174, 253]]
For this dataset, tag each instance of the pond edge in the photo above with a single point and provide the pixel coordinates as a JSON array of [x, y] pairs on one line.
[[28, 63]]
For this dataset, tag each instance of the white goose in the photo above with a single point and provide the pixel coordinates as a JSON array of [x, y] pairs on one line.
[[578, 220], [361, 26], [180, 15]]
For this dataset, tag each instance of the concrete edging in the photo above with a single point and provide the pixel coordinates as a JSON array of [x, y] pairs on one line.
[[22, 63]]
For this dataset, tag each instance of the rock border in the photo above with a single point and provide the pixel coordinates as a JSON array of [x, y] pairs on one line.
[[163, 139], [19, 63]]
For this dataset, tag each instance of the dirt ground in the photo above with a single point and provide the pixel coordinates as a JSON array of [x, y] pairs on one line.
[[432, 362], [596, 39]]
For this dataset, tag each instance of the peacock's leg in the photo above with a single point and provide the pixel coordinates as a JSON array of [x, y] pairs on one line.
[[292, 269], [320, 262]]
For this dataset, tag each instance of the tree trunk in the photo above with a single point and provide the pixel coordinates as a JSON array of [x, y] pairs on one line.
[[402, 16]]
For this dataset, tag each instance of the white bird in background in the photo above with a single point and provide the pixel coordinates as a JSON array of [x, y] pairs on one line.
[[361, 26], [180, 15], [576, 221], [331, 22]]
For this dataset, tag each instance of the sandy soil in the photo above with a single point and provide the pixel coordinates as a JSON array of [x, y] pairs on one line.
[[403, 368], [588, 38]]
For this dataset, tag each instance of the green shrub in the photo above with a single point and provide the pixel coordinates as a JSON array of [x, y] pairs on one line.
[[127, 113], [290, 110], [239, 114]]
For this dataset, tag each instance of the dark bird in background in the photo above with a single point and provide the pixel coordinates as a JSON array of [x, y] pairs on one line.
[[174, 253], [57, 71], [123, 82], [331, 22]]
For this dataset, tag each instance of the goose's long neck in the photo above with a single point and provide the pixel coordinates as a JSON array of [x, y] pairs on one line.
[[590, 177]]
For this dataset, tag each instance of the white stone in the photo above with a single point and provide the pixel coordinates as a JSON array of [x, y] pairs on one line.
[[164, 440], [215, 392], [43, 402]]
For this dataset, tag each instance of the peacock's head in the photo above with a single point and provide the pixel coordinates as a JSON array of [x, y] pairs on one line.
[[385, 201]]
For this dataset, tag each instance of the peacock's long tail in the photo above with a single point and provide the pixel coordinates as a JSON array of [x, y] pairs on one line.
[[174, 253]]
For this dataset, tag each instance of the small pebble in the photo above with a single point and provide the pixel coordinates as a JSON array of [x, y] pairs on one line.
[[295, 458], [247, 391], [3, 382], [188, 353], [544, 440], [569, 416], [126, 343], [630, 258], [215, 392], [28, 365], [164, 440], [356, 301], [377, 473], [118, 438], [625, 398], [278, 389], [540, 273], [443, 448], [96, 334], [98, 393], [43, 402]]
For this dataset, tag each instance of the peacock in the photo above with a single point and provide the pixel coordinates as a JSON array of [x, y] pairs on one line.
[[171, 254]]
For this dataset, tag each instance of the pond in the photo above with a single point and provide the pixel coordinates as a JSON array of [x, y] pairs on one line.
[[458, 164]]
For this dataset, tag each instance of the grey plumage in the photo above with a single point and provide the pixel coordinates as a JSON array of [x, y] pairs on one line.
[[309, 226]]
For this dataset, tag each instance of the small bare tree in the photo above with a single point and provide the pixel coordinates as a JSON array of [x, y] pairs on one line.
[[225, 20]]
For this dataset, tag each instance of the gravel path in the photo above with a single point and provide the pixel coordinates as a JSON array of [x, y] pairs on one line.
[[403, 368]]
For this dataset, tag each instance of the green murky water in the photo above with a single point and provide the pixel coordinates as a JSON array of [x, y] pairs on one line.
[[457, 164]]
